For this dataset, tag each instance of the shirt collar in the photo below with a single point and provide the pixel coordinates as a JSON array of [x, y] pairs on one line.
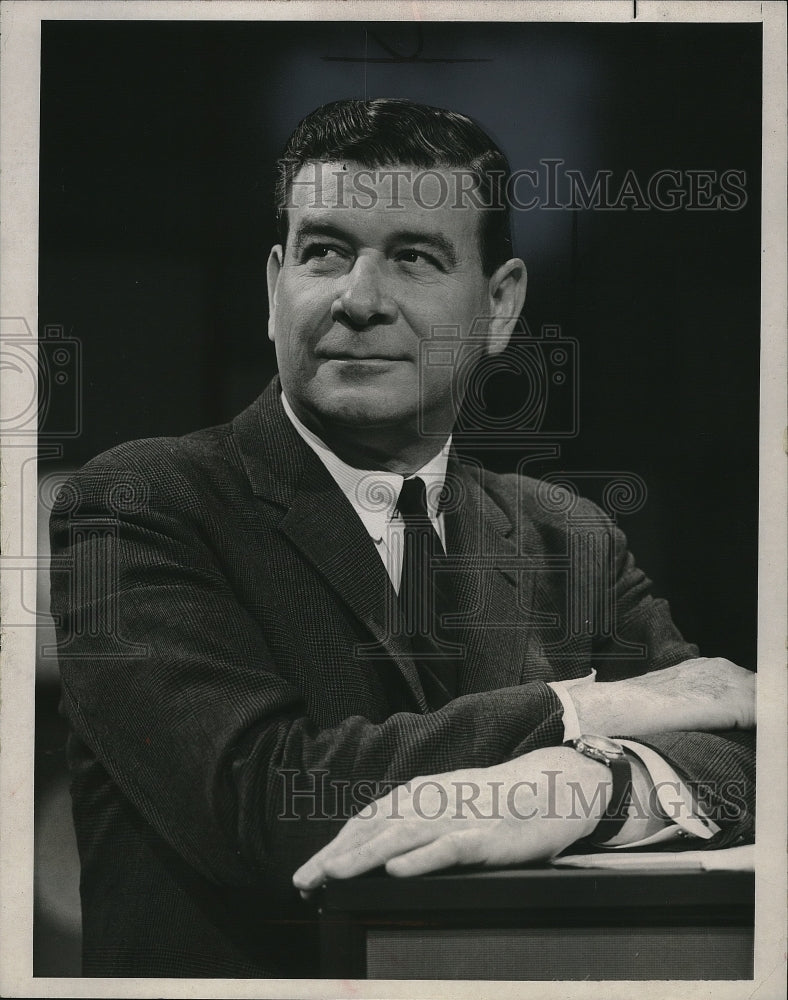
[[373, 493]]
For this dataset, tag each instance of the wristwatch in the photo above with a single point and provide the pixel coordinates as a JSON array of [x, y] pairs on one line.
[[610, 753]]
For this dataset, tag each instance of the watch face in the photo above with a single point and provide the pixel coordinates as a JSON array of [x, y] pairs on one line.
[[600, 746]]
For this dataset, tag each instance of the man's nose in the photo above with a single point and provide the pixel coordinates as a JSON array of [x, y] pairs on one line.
[[365, 300]]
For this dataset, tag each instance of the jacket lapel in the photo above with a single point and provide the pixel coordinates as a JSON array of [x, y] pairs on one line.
[[323, 526], [496, 569]]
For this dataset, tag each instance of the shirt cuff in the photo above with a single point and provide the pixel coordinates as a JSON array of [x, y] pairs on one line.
[[675, 799], [562, 689]]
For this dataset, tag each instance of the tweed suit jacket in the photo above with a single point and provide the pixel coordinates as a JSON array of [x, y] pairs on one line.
[[234, 687]]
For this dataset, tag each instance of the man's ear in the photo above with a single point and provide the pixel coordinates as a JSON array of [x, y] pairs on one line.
[[272, 271], [506, 294]]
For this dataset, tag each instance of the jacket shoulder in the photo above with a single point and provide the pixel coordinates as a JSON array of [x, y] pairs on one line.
[[544, 503], [181, 471]]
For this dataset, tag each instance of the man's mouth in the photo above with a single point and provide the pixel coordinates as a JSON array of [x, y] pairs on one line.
[[352, 356]]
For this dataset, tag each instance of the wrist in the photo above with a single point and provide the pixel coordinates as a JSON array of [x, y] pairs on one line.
[[614, 796], [597, 707], [592, 787]]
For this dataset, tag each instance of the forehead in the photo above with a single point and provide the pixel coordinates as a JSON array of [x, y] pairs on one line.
[[375, 200]]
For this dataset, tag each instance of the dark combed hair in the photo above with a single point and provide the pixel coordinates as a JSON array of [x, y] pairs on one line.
[[387, 132]]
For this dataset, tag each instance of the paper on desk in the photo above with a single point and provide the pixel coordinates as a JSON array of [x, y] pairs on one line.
[[732, 859]]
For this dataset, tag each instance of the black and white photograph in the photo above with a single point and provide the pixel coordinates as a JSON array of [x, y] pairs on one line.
[[394, 499]]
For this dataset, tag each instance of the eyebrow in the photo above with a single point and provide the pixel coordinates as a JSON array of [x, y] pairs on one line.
[[307, 229], [435, 241]]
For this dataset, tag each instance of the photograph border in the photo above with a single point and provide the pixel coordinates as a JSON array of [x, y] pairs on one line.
[[20, 24]]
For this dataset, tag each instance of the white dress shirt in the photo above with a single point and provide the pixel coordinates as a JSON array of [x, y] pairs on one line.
[[373, 495]]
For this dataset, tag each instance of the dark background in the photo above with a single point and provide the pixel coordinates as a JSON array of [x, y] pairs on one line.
[[157, 145]]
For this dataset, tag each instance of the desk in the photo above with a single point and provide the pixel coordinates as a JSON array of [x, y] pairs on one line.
[[540, 924]]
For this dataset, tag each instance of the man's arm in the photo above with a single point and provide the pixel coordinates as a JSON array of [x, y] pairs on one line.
[[197, 726], [527, 810], [702, 693], [168, 680], [521, 812]]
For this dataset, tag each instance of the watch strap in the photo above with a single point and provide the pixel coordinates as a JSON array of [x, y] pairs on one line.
[[617, 811]]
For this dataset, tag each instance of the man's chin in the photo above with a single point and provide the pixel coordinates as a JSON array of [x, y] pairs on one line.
[[366, 396], [365, 411]]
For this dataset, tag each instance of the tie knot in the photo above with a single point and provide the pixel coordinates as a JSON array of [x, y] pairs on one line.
[[412, 501]]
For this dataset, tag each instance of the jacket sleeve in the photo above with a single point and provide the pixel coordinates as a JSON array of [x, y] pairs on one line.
[[719, 769], [168, 681]]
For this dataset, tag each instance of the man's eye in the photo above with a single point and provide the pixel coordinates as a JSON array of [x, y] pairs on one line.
[[418, 257], [320, 251]]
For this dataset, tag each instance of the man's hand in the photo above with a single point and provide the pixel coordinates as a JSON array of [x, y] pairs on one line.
[[703, 694], [525, 810]]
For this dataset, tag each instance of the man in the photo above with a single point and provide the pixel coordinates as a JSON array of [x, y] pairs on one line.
[[317, 610]]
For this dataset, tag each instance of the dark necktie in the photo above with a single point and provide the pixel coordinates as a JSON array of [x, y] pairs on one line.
[[425, 597]]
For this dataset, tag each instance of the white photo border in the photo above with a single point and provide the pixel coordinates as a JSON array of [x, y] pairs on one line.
[[20, 23]]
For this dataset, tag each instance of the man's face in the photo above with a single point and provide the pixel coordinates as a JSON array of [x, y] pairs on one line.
[[360, 287]]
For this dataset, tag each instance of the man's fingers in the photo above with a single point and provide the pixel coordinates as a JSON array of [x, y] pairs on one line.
[[311, 874], [357, 831], [308, 877], [364, 846], [389, 844], [452, 849]]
